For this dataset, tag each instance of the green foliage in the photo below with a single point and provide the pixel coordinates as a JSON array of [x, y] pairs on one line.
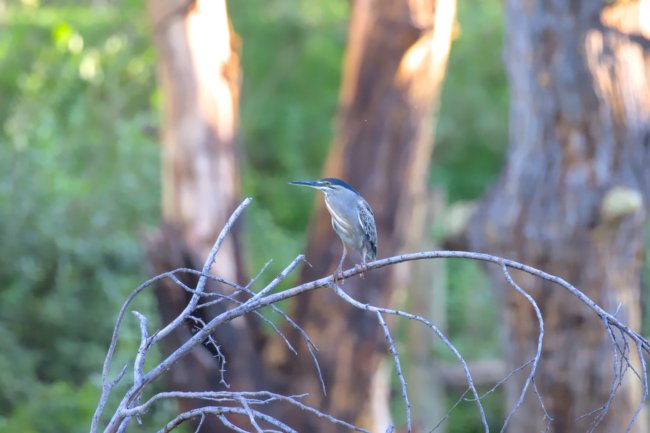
[[58, 407], [466, 418], [473, 317], [79, 152], [473, 122], [81, 178], [289, 98], [471, 140]]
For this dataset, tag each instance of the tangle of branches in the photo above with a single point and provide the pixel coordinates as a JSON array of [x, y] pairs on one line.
[[243, 300]]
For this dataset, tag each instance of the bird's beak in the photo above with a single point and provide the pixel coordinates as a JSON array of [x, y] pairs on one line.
[[311, 183]]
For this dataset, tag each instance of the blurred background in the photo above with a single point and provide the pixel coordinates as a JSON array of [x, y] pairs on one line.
[[80, 157]]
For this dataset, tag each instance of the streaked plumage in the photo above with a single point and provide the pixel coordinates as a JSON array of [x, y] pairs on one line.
[[367, 221], [352, 217]]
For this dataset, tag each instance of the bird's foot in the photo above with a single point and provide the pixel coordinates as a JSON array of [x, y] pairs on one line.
[[338, 276], [363, 268]]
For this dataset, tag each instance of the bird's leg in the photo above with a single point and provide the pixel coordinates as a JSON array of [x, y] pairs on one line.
[[363, 266], [339, 270]]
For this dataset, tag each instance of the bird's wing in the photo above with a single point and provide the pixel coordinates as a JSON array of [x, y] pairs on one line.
[[367, 220]]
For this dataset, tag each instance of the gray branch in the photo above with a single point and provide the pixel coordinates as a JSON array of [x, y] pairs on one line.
[[245, 301]]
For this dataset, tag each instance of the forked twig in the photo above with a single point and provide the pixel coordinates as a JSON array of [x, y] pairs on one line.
[[243, 300]]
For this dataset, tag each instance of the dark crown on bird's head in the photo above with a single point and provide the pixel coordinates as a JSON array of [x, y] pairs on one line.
[[337, 182]]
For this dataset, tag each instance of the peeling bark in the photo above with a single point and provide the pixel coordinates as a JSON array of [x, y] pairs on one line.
[[199, 75], [573, 199]]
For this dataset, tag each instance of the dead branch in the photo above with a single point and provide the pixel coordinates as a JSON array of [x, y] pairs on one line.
[[246, 301]]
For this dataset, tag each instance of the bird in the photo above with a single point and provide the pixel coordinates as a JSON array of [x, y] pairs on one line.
[[352, 218]]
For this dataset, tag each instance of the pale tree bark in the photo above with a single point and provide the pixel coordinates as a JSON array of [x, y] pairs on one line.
[[395, 62], [199, 75], [573, 199]]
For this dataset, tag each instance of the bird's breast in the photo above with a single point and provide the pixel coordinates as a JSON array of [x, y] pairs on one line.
[[337, 217], [343, 225]]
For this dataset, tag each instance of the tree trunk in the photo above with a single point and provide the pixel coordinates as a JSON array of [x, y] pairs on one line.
[[572, 200], [395, 61], [199, 75], [393, 71]]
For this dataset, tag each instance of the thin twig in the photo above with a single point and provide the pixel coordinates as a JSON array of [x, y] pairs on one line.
[[446, 417], [138, 364], [645, 386], [200, 286], [249, 412], [198, 427], [218, 411], [428, 324], [616, 383], [398, 369], [311, 347], [252, 397], [230, 425], [217, 349], [547, 417], [538, 353], [129, 405], [504, 380]]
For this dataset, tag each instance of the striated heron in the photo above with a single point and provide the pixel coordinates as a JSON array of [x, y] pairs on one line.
[[352, 218]]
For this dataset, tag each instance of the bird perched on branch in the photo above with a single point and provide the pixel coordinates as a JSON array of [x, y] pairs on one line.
[[352, 218]]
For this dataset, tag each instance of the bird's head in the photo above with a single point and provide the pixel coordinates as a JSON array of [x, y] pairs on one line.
[[327, 185]]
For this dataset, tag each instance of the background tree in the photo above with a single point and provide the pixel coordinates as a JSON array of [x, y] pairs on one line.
[[199, 74], [395, 60], [76, 149], [80, 152], [572, 198], [390, 86]]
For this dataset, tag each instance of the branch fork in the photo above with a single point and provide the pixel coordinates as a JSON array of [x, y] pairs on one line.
[[226, 403]]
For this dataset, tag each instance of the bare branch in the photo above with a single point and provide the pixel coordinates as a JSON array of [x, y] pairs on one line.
[[434, 328], [538, 354], [645, 385], [228, 424], [198, 427], [200, 286], [616, 383], [448, 414], [138, 365], [107, 385], [220, 411], [252, 397], [249, 412], [142, 350], [244, 301], [398, 369]]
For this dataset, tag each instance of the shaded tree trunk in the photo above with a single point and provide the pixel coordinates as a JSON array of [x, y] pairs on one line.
[[395, 62], [572, 199], [394, 67], [199, 74]]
